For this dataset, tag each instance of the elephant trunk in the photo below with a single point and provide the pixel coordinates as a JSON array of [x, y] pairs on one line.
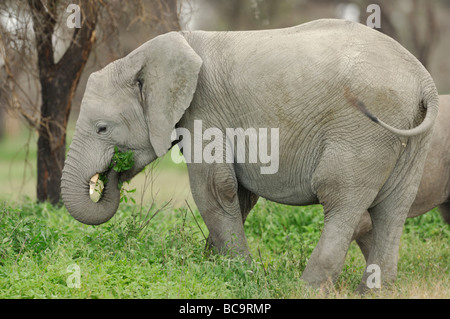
[[77, 172]]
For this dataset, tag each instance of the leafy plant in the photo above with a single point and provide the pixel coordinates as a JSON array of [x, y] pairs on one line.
[[121, 162]]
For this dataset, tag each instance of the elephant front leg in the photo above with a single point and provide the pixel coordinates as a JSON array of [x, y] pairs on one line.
[[215, 191]]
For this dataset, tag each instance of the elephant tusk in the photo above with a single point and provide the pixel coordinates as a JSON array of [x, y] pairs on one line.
[[95, 188], [92, 183]]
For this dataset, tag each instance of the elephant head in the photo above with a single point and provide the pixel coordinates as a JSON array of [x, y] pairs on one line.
[[134, 104]]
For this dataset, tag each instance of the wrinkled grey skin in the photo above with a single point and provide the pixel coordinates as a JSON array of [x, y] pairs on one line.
[[294, 79], [434, 188]]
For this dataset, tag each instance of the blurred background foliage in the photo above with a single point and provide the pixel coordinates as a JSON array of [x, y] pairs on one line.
[[421, 26]]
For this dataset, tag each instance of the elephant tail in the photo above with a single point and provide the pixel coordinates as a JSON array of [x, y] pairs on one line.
[[430, 102]]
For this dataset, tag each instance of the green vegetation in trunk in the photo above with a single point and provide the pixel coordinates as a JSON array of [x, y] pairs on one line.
[[120, 162]]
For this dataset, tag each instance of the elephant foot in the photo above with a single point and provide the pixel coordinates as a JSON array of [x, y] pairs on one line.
[[322, 288], [209, 248], [226, 250], [362, 289]]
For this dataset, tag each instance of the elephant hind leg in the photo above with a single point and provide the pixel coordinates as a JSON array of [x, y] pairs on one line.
[[365, 243], [346, 192], [363, 234], [341, 217], [389, 213], [346, 188], [388, 218]]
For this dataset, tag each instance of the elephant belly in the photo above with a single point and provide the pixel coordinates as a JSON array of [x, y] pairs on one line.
[[280, 188]]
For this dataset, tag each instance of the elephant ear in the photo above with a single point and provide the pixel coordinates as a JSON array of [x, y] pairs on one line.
[[170, 75]]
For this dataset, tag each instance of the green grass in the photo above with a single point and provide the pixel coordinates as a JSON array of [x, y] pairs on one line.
[[136, 256]]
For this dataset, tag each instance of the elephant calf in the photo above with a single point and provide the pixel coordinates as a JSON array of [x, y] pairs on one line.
[[434, 188], [305, 83]]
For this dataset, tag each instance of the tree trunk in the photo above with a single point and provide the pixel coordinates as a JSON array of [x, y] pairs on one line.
[[57, 92], [52, 141], [58, 84]]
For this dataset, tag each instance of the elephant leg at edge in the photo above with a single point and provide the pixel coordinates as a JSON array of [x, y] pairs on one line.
[[363, 235], [365, 243], [247, 200], [445, 212]]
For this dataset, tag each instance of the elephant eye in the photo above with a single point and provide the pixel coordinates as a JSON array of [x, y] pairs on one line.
[[140, 85], [102, 129]]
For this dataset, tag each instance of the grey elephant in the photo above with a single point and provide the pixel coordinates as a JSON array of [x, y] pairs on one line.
[[434, 188], [305, 82]]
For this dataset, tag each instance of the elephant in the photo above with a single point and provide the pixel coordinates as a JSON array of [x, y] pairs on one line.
[[351, 109], [434, 187]]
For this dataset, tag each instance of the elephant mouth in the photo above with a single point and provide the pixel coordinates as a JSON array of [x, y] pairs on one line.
[[121, 164], [99, 181], [96, 186]]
